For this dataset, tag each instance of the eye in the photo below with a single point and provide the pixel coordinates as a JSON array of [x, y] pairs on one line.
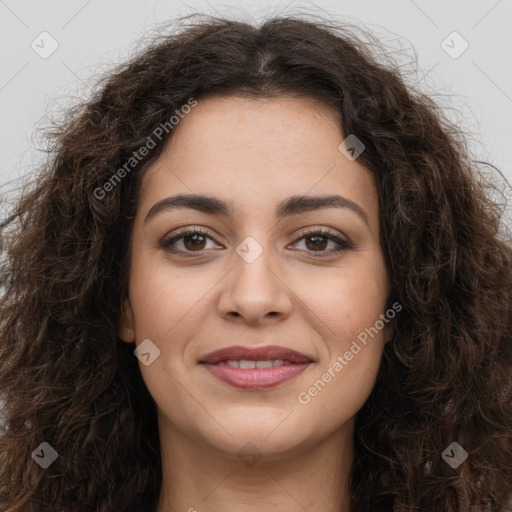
[[191, 240], [316, 241]]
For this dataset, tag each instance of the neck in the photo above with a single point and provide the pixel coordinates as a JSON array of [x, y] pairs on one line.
[[197, 477]]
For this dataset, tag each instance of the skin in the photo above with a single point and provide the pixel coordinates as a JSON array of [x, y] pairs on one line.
[[254, 154]]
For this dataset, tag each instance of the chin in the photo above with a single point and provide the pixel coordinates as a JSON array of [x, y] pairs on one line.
[[262, 439]]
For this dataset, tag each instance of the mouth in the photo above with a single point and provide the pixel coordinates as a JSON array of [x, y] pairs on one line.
[[255, 368]]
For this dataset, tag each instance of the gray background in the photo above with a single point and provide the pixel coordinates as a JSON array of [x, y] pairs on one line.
[[475, 88]]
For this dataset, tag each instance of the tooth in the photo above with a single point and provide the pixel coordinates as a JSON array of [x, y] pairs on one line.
[[247, 365], [234, 364], [278, 362], [263, 364]]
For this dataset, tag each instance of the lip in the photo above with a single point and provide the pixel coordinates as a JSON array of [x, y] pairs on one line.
[[270, 352], [255, 378]]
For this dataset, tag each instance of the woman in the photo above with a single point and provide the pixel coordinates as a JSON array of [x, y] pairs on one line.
[[258, 270]]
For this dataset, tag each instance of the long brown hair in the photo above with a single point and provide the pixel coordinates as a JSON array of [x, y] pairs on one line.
[[67, 380]]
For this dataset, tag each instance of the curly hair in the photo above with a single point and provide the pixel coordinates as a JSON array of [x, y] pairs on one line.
[[68, 380]]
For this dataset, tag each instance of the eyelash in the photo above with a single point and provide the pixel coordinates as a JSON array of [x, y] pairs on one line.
[[343, 245]]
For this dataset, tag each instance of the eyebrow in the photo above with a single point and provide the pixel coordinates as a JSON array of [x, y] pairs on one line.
[[290, 206]]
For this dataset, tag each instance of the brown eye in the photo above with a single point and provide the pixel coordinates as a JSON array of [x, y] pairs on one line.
[[187, 241], [193, 242], [317, 242]]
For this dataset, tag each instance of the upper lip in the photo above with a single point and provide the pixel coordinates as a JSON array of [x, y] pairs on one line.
[[269, 352]]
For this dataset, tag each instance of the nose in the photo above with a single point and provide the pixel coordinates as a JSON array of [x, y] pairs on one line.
[[255, 293]]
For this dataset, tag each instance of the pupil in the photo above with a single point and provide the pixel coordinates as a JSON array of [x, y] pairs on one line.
[[196, 242], [318, 241]]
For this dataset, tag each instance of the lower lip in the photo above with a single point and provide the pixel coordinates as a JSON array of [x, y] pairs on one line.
[[255, 378]]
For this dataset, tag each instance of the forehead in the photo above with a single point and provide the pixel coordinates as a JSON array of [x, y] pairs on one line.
[[256, 152], [288, 125]]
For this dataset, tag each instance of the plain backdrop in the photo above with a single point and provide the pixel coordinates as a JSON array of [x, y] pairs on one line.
[[52, 51]]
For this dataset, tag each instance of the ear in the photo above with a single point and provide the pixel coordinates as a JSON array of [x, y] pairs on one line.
[[126, 324]]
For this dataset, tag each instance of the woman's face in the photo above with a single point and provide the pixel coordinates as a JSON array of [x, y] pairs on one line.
[[259, 274]]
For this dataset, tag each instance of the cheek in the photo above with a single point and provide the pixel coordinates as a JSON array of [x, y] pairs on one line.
[[165, 299], [350, 303], [354, 342], [347, 300]]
